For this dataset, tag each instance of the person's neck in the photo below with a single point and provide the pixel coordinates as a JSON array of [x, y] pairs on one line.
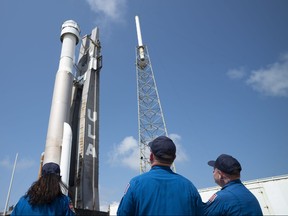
[[157, 163], [228, 180]]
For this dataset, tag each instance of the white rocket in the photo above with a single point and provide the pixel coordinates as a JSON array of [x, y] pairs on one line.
[[61, 102], [75, 110]]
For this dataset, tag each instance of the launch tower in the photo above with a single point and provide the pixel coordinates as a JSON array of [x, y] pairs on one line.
[[151, 123]]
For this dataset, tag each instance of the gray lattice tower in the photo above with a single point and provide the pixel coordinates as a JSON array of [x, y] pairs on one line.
[[151, 123]]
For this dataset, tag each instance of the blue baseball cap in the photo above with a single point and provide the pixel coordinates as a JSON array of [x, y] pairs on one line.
[[163, 148], [227, 164], [50, 168]]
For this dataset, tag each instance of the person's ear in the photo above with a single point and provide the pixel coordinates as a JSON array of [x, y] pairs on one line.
[[151, 157], [220, 175]]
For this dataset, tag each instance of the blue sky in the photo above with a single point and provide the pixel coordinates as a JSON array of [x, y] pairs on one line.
[[221, 69]]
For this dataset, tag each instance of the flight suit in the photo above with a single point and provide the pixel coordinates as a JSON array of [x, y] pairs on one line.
[[233, 199], [160, 192], [60, 206]]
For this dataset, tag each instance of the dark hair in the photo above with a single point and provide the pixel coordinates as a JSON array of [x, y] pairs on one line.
[[168, 162], [45, 189]]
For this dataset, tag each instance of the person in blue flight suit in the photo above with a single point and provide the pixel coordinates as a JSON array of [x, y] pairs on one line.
[[45, 196], [233, 198], [161, 191]]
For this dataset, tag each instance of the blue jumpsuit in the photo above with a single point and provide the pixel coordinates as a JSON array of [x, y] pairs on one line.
[[233, 199], [60, 206], [160, 192]]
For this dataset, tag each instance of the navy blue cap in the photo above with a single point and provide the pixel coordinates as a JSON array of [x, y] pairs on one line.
[[163, 148], [227, 164], [50, 168]]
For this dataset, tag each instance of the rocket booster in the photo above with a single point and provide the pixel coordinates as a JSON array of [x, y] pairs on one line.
[[61, 101]]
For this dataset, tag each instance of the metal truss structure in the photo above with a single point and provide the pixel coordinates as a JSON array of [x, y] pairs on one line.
[[151, 123]]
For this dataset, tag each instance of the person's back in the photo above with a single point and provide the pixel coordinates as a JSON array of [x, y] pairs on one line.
[[60, 206], [233, 199], [45, 196], [161, 191], [245, 201]]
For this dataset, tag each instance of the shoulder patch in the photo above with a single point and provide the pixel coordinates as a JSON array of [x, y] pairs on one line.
[[212, 198], [127, 187], [71, 207]]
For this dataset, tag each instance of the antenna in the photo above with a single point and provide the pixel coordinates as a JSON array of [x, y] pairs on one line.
[[138, 29], [10, 186], [139, 36]]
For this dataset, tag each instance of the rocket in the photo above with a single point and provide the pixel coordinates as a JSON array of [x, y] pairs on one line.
[[61, 100], [73, 131]]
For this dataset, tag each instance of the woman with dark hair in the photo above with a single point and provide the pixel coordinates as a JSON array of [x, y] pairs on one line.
[[45, 196]]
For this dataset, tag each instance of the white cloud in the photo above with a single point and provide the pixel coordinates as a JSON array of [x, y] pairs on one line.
[[5, 162], [181, 156], [236, 73], [25, 163], [271, 80], [22, 163], [127, 152], [113, 10]]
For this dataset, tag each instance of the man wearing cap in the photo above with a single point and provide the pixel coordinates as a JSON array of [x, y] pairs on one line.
[[45, 196], [233, 198], [161, 191]]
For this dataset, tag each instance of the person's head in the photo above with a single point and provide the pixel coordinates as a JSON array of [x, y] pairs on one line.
[[47, 187], [226, 169], [50, 168], [163, 151]]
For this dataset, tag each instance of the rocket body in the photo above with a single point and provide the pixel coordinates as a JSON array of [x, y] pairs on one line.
[[73, 132], [62, 92]]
